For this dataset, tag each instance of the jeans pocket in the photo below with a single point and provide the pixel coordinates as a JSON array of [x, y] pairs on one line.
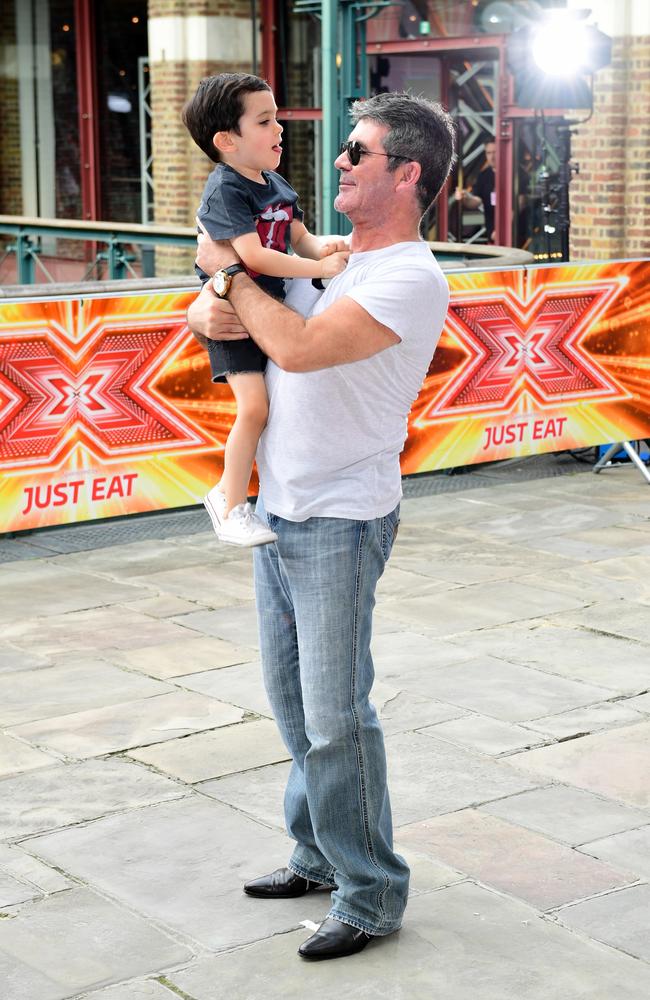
[[389, 529]]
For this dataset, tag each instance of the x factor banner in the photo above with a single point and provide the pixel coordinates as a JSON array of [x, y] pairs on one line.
[[107, 408]]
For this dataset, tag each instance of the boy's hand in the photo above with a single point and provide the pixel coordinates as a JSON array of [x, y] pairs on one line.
[[334, 244], [333, 264]]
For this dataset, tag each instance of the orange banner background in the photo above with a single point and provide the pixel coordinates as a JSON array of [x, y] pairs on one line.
[[106, 404]]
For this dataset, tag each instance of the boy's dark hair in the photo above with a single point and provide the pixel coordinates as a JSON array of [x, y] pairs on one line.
[[217, 106]]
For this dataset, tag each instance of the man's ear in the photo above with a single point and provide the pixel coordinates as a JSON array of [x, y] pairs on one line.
[[409, 174], [222, 142]]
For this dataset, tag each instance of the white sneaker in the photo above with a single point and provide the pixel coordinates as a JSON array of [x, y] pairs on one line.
[[241, 527], [215, 504]]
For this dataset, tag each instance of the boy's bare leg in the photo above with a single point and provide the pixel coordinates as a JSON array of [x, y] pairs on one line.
[[249, 391]]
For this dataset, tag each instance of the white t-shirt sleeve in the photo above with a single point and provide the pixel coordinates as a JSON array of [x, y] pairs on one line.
[[407, 297]]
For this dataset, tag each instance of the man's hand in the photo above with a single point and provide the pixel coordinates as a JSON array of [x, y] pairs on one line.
[[210, 318], [212, 256]]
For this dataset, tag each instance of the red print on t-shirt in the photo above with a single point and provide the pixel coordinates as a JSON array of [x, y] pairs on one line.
[[272, 225]]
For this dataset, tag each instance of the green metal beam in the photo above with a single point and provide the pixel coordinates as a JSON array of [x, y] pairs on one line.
[[331, 129]]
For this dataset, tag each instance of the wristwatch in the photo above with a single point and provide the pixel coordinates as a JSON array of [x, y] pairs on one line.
[[222, 280]]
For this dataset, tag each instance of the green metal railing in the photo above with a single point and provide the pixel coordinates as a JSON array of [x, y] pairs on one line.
[[118, 239]]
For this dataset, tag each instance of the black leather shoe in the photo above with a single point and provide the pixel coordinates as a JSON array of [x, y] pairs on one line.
[[280, 884], [334, 939]]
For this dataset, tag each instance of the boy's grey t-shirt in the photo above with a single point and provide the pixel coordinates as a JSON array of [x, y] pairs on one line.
[[233, 205], [332, 442]]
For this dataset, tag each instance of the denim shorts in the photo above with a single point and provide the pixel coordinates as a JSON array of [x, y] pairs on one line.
[[231, 357]]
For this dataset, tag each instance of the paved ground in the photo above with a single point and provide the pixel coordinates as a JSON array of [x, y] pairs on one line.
[[142, 776]]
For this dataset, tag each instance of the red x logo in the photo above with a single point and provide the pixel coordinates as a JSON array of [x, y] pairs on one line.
[[514, 344]]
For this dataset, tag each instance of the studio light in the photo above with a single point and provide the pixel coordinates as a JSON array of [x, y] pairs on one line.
[[561, 46], [553, 60]]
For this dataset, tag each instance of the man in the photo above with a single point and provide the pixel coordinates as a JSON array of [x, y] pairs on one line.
[[483, 193], [340, 384]]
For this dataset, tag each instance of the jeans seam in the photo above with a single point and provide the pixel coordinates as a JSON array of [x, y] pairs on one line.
[[376, 930], [360, 762], [327, 880]]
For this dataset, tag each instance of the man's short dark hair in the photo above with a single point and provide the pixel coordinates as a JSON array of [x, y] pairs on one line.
[[217, 106], [419, 130]]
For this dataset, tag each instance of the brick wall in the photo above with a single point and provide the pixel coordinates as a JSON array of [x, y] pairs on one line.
[[637, 145], [11, 194], [610, 198]]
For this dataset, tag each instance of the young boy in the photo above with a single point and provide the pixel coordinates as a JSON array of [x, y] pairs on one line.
[[232, 119]]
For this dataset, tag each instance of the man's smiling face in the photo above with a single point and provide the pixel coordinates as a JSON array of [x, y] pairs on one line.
[[365, 187]]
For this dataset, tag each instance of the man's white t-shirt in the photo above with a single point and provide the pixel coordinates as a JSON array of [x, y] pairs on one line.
[[332, 442]]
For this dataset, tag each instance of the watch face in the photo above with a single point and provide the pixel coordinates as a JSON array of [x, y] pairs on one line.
[[220, 283]]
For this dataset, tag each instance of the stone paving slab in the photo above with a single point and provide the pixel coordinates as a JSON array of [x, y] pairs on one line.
[[516, 861], [162, 606], [71, 793], [594, 763], [429, 777], [501, 690], [568, 815], [212, 584], [137, 558], [620, 919], [608, 579], [16, 757], [590, 719], [238, 685], [193, 654], [183, 864], [258, 793], [99, 629], [594, 545], [622, 617], [488, 736], [17, 864], [428, 874], [630, 847], [149, 989], [12, 891], [482, 604], [41, 588], [226, 751], [403, 711], [61, 945], [401, 583], [70, 687], [567, 650], [625, 576], [130, 724], [237, 624], [13, 660], [398, 656], [463, 942], [470, 561], [555, 521], [640, 704]]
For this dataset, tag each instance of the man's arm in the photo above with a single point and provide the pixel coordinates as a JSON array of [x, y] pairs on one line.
[[344, 332]]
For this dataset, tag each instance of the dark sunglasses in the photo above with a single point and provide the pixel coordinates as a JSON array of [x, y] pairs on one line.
[[355, 151]]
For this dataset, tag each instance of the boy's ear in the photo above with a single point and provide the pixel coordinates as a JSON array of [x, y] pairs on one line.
[[222, 142]]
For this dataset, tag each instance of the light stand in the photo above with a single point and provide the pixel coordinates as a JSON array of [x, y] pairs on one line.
[[631, 452]]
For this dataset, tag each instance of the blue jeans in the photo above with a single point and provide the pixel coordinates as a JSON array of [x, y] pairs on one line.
[[315, 590]]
